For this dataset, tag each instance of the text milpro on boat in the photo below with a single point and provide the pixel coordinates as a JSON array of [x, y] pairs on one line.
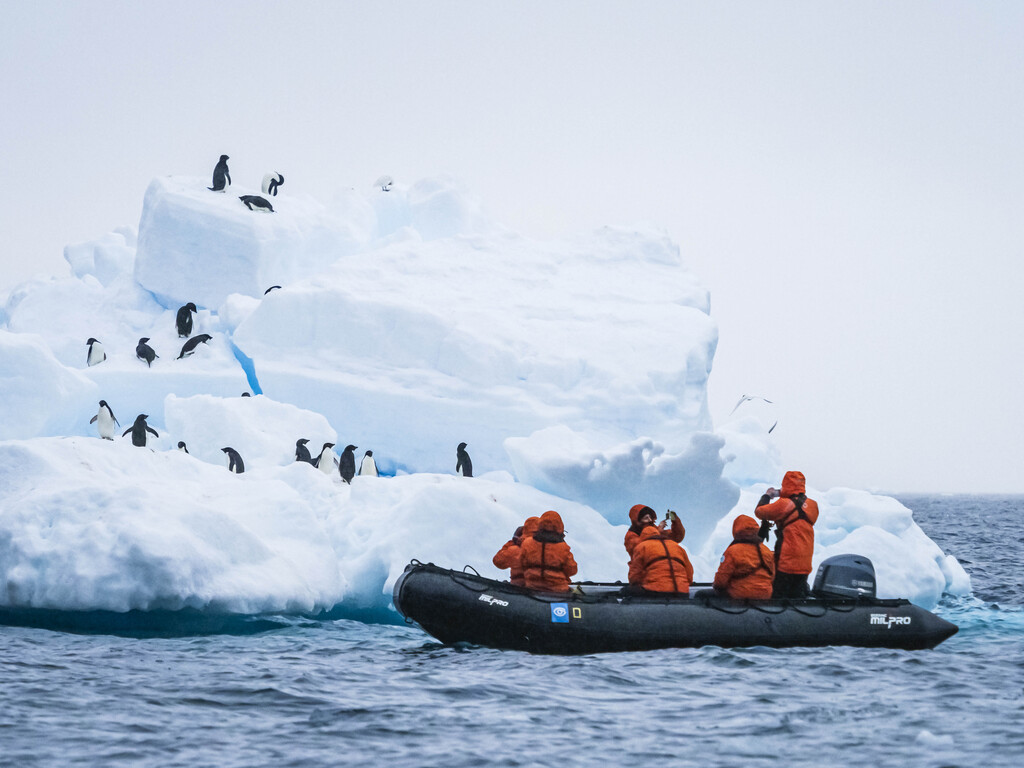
[[456, 606]]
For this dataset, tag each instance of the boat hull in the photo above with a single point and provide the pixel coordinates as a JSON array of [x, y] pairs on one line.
[[459, 607]]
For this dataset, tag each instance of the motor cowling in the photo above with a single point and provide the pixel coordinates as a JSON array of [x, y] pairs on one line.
[[845, 576]]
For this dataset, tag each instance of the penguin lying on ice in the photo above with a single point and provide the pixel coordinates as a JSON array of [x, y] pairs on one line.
[[257, 203], [189, 347]]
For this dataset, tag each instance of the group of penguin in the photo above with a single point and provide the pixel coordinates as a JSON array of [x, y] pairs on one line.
[[105, 420], [96, 354], [222, 179], [326, 462]]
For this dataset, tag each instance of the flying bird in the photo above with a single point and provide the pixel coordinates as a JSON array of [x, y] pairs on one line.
[[744, 399]]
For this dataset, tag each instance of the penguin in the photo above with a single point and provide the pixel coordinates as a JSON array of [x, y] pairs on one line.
[[145, 352], [368, 466], [220, 175], [347, 464], [257, 203], [189, 347], [272, 288], [105, 421], [95, 355], [302, 452], [235, 463], [463, 464], [183, 320], [182, 447], [325, 461], [139, 430], [271, 182]]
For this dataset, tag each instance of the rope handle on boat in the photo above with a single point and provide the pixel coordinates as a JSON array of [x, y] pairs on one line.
[[469, 570]]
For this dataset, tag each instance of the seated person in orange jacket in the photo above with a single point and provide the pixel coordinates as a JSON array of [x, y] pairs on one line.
[[659, 564], [545, 558], [794, 516], [748, 566], [508, 557], [640, 516]]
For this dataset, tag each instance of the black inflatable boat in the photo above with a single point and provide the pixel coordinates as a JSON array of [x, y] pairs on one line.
[[462, 607]]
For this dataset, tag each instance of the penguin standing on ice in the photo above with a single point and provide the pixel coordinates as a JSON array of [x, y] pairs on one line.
[[220, 175], [325, 461], [96, 354], [189, 347], [105, 421], [235, 463], [183, 320], [463, 464], [302, 452], [368, 466], [347, 464], [257, 203], [145, 352], [271, 182], [139, 430], [182, 447]]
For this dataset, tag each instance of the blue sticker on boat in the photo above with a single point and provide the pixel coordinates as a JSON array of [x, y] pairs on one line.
[[560, 613]]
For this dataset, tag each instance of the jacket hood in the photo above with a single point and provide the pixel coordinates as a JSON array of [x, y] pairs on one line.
[[744, 524], [792, 484], [530, 527], [639, 509], [551, 521]]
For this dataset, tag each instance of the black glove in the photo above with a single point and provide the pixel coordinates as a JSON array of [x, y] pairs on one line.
[[762, 532]]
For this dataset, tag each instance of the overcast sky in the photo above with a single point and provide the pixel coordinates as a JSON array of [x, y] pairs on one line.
[[847, 178]]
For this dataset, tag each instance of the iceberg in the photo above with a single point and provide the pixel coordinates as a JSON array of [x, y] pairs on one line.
[[405, 322]]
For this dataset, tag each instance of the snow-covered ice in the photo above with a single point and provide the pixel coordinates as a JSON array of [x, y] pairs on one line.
[[406, 322]]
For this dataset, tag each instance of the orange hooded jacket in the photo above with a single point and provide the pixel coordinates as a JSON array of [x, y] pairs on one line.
[[659, 564], [794, 544], [633, 534], [508, 557], [546, 559], [748, 566]]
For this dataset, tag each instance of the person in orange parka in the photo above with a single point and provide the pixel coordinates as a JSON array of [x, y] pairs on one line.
[[640, 516], [794, 516], [545, 558], [748, 566], [508, 555], [659, 564]]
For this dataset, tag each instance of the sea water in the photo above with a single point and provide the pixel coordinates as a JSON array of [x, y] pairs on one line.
[[339, 693]]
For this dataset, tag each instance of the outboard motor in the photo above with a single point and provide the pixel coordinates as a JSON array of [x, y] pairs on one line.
[[845, 576]]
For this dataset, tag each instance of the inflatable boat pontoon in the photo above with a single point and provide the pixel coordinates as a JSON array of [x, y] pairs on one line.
[[462, 607]]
